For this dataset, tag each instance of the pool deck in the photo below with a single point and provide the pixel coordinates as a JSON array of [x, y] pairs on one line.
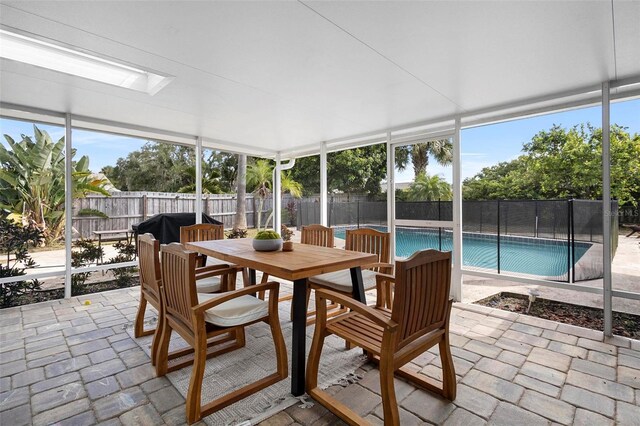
[[64, 362], [625, 276], [625, 268]]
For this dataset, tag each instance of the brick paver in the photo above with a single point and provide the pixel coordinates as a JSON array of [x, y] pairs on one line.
[[68, 363]]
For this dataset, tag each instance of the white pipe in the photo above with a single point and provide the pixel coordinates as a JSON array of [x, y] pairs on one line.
[[277, 194], [391, 195], [287, 166], [606, 211], [68, 204]]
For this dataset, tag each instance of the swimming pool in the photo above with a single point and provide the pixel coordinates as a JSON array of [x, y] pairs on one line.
[[519, 255]]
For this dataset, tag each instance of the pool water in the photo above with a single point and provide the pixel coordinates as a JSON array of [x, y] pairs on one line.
[[521, 255]]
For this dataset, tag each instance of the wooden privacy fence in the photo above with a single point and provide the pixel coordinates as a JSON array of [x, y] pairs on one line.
[[124, 209]]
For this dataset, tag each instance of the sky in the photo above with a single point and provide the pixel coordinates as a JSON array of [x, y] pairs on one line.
[[488, 145], [481, 146]]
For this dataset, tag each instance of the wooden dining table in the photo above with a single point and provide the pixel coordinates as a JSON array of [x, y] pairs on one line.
[[303, 262]]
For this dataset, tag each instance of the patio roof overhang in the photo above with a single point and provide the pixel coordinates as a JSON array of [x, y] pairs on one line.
[[266, 78]]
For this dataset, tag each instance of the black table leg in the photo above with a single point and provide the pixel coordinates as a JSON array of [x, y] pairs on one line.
[[252, 279], [299, 337], [358, 286]]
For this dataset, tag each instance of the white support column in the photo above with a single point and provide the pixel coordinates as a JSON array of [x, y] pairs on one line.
[[277, 194], [198, 202], [391, 196], [456, 275], [606, 210], [68, 204], [323, 184]]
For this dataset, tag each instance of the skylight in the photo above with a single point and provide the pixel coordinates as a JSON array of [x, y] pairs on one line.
[[40, 53]]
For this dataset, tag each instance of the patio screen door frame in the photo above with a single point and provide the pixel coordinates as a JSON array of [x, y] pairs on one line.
[[454, 224]]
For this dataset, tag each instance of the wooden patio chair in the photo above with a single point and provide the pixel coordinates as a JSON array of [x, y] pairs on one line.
[[364, 240], [207, 232], [203, 318], [151, 284], [316, 235], [203, 232], [418, 320]]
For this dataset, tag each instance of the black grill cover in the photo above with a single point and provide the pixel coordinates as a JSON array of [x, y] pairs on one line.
[[165, 227]]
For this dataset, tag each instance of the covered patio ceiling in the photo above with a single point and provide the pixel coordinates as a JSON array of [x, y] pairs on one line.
[[267, 77]]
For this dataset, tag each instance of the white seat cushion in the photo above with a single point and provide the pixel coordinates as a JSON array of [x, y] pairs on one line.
[[341, 280], [208, 285], [238, 311]]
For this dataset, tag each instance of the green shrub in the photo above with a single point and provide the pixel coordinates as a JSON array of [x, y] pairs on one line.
[[15, 241], [85, 254], [125, 276]]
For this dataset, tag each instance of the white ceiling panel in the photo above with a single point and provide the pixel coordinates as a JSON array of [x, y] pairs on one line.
[[627, 27], [280, 75], [483, 53]]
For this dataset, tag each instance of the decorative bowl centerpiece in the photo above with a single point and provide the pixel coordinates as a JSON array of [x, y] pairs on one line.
[[267, 241]]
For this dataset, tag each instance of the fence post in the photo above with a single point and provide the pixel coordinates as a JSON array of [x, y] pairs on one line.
[[535, 231], [498, 239], [573, 243], [144, 207], [358, 213], [253, 201]]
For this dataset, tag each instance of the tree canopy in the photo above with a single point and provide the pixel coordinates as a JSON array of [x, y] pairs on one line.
[[164, 167], [355, 171], [563, 163]]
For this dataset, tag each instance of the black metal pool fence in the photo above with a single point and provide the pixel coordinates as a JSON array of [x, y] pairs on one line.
[[570, 222]]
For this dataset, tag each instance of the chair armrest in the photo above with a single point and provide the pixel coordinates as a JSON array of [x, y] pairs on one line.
[[385, 277], [358, 307], [386, 267], [203, 269], [198, 309], [201, 273]]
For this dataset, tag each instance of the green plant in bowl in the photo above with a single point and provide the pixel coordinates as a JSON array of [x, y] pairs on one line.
[[267, 235], [267, 241]]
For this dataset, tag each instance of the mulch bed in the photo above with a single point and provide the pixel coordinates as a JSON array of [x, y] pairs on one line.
[[627, 325], [58, 293]]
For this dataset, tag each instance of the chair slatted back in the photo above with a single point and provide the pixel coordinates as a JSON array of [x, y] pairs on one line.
[[317, 235], [179, 282], [201, 232], [421, 294], [149, 264], [368, 240]]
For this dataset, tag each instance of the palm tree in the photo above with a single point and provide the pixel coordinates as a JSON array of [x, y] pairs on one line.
[[259, 176], [290, 185], [440, 149], [429, 188]]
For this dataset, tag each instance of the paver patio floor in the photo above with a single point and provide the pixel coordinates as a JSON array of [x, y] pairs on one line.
[[68, 363]]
